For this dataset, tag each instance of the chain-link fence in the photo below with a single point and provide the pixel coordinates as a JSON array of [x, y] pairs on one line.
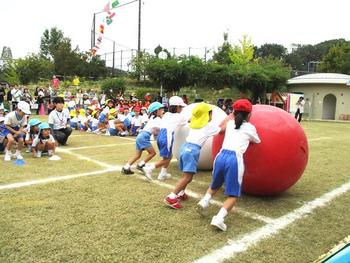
[[121, 59]]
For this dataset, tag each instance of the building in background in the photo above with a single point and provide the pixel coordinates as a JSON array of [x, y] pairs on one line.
[[327, 95]]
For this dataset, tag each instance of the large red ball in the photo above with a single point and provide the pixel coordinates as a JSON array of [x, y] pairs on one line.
[[278, 162]]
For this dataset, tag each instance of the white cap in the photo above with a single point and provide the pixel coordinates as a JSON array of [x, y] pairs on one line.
[[24, 106], [176, 101], [2, 119]]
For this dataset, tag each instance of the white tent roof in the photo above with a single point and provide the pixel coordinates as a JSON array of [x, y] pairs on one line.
[[321, 78]]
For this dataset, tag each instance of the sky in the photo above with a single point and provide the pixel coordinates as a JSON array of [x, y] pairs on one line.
[[175, 23]]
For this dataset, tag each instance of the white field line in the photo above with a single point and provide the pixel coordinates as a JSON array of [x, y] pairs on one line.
[[55, 179], [99, 146], [320, 139], [235, 246], [118, 168]]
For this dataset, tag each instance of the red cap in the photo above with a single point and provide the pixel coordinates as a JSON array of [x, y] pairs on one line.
[[242, 105], [136, 109]]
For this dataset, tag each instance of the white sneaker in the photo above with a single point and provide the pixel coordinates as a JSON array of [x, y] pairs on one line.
[[38, 154], [218, 223], [7, 156], [164, 176], [147, 172], [202, 208], [18, 156], [28, 150]]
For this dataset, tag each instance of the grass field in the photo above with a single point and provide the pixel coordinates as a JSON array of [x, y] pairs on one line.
[[82, 209]]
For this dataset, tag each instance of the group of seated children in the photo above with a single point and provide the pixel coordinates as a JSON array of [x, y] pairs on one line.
[[113, 119], [16, 132]]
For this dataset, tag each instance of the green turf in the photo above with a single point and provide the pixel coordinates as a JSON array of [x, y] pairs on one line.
[[115, 218]]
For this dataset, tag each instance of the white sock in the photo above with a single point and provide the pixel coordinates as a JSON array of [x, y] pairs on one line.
[[142, 163], [222, 213], [50, 152], [206, 199], [172, 195], [127, 166], [152, 166], [182, 192], [163, 171], [18, 152]]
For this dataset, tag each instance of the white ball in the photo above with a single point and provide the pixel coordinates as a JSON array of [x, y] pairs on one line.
[[205, 158]]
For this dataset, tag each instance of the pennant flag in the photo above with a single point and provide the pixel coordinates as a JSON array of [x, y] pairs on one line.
[[102, 29], [107, 8], [115, 3], [111, 15], [108, 21]]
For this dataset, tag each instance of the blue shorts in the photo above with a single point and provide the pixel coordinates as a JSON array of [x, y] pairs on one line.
[[127, 123], [143, 141], [102, 118], [226, 171], [113, 132], [7, 132], [134, 130], [162, 142], [94, 128], [189, 156], [73, 125]]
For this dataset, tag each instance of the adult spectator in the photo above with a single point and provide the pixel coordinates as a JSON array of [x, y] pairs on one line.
[[9, 98], [16, 96], [26, 96], [58, 121], [2, 96], [55, 82], [40, 100], [300, 110]]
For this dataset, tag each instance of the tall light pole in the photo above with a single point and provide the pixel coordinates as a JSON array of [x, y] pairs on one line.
[[139, 31]]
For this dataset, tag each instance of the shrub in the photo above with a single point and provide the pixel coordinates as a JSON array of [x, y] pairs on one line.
[[113, 86]]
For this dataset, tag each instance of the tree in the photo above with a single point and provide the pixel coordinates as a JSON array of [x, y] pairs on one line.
[[224, 51], [32, 68], [271, 50], [244, 53], [337, 59], [57, 48]]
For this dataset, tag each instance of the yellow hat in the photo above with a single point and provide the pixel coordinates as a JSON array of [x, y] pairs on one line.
[[72, 113], [112, 111], [94, 113], [200, 115], [82, 112]]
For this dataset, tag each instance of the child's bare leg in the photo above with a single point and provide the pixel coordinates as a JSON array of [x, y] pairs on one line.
[[10, 141], [151, 153], [51, 148], [135, 158], [183, 182], [230, 203]]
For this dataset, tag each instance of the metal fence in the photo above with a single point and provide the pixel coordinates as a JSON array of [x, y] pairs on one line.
[[122, 58]]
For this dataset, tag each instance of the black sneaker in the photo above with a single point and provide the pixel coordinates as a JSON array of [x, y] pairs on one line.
[[139, 167], [127, 171]]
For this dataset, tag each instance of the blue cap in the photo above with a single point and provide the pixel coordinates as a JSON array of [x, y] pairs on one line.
[[34, 122], [155, 106]]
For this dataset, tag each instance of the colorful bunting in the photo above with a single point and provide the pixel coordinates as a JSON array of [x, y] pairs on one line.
[[107, 20]]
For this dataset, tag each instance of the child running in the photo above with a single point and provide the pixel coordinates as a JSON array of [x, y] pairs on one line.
[[200, 130], [44, 142], [228, 164], [143, 139], [165, 140]]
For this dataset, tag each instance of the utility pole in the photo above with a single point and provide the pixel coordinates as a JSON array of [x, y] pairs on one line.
[[139, 31], [93, 30]]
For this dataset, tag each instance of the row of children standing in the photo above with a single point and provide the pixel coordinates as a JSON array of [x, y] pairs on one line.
[[228, 165]]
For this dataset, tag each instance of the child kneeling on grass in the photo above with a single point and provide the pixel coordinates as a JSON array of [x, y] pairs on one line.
[[228, 164], [32, 132], [143, 139], [15, 122], [44, 142], [200, 130]]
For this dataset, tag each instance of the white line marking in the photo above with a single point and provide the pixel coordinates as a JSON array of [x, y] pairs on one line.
[[118, 168], [320, 139], [55, 179], [240, 245], [99, 146]]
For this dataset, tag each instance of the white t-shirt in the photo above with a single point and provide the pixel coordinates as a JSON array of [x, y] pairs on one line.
[[171, 121], [144, 118], [199, 136], [82, 119], [238, 139], [105, 111], [136, 121], [121, 117], [300, 105], [94, 122], [153, 125], [37, 140], [12, 119], [59, 119]]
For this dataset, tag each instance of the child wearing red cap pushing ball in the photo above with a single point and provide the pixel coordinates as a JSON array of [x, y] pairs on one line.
[[228, 164]]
